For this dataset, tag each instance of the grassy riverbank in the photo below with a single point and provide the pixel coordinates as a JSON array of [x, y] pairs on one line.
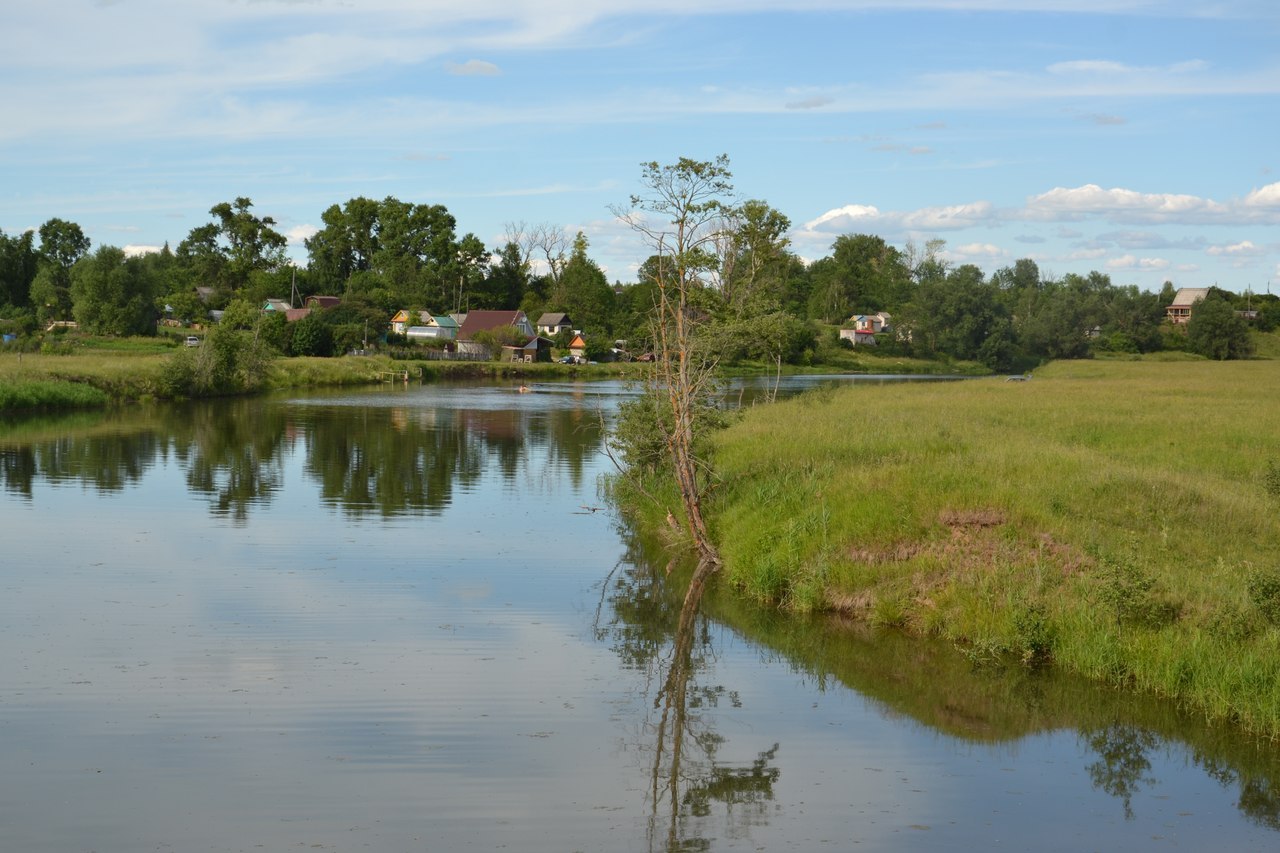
[[94, 378], [1118, 518]]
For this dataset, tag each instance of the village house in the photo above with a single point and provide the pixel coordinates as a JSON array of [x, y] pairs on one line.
[[858, 337], [428, 325], [488, 321], [537, 349], [877, 322], [1180, 311], [553, 323]]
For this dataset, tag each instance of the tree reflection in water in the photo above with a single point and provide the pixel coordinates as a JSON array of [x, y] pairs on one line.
[[687, 778], [381, 460], [1122, 767]]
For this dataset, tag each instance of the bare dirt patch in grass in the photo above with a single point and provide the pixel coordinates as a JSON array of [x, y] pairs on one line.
[[976, 543]]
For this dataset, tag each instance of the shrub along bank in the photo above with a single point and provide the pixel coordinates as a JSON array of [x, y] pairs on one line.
[[1118, 519]]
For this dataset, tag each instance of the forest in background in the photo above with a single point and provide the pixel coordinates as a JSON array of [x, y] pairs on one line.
[[770, 306]]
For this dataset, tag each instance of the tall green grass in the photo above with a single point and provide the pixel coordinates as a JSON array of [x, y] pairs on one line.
[[46, 394], [1107, 516]]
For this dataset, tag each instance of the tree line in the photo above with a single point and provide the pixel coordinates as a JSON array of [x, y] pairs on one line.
[[383, 256]]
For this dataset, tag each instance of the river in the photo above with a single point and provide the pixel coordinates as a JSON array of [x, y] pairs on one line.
[[404, 619]]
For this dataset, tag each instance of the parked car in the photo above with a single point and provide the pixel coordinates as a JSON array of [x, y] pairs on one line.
[[192, 341]]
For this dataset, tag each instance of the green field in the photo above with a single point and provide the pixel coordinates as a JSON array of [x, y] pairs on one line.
[[1117, 518]]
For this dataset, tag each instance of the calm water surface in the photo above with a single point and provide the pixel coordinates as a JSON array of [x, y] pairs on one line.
[[403, 619]]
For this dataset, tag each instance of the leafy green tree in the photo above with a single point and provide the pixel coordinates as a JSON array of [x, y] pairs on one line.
[[1065, 314], [963, 317], [240, 314], [62, 243], [346, 245], [754, 262], [201, 261], [585, 291], [312, 336], [470, 269], [863, 274], [228, 361], [1215, 331], [416, 250], [505, 285], [633, 314], [1268, 313], [774, 338], [18, 263], [226, 253], [1133, 319], [114, 295], [50, 295], [252, 243]]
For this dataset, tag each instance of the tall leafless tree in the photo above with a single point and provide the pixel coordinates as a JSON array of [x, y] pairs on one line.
[[682, 214]]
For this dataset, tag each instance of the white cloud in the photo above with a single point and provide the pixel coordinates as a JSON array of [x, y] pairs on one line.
[[843, 219], [473, 68], [133, 251], [1122, 205], [949, 217], [1265, 197], [976, 251], [1243, 249], [299, 233], [1129, 262], [1088, 66]]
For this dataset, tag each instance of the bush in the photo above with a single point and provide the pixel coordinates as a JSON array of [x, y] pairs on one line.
[[1215, 331], [312, 336], [1133, 597], [1264, 592], [1271, 478]]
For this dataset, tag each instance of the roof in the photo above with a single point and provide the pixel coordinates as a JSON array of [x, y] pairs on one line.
[[1189, 296], [577, 342], [325, 301], [444, 321], [483, 321], [554, 318]]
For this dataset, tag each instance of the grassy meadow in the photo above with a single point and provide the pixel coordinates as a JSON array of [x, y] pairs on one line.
[[1118, 518]]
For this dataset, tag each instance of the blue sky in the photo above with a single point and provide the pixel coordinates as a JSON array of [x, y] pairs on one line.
[[1140, 138]]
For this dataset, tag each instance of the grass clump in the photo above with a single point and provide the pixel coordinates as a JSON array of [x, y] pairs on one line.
[[48, 394]]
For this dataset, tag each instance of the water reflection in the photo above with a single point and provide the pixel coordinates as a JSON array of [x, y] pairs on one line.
[[1123, 765], [406, 456], [277, 687], [1120, 734], [657, 628]]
